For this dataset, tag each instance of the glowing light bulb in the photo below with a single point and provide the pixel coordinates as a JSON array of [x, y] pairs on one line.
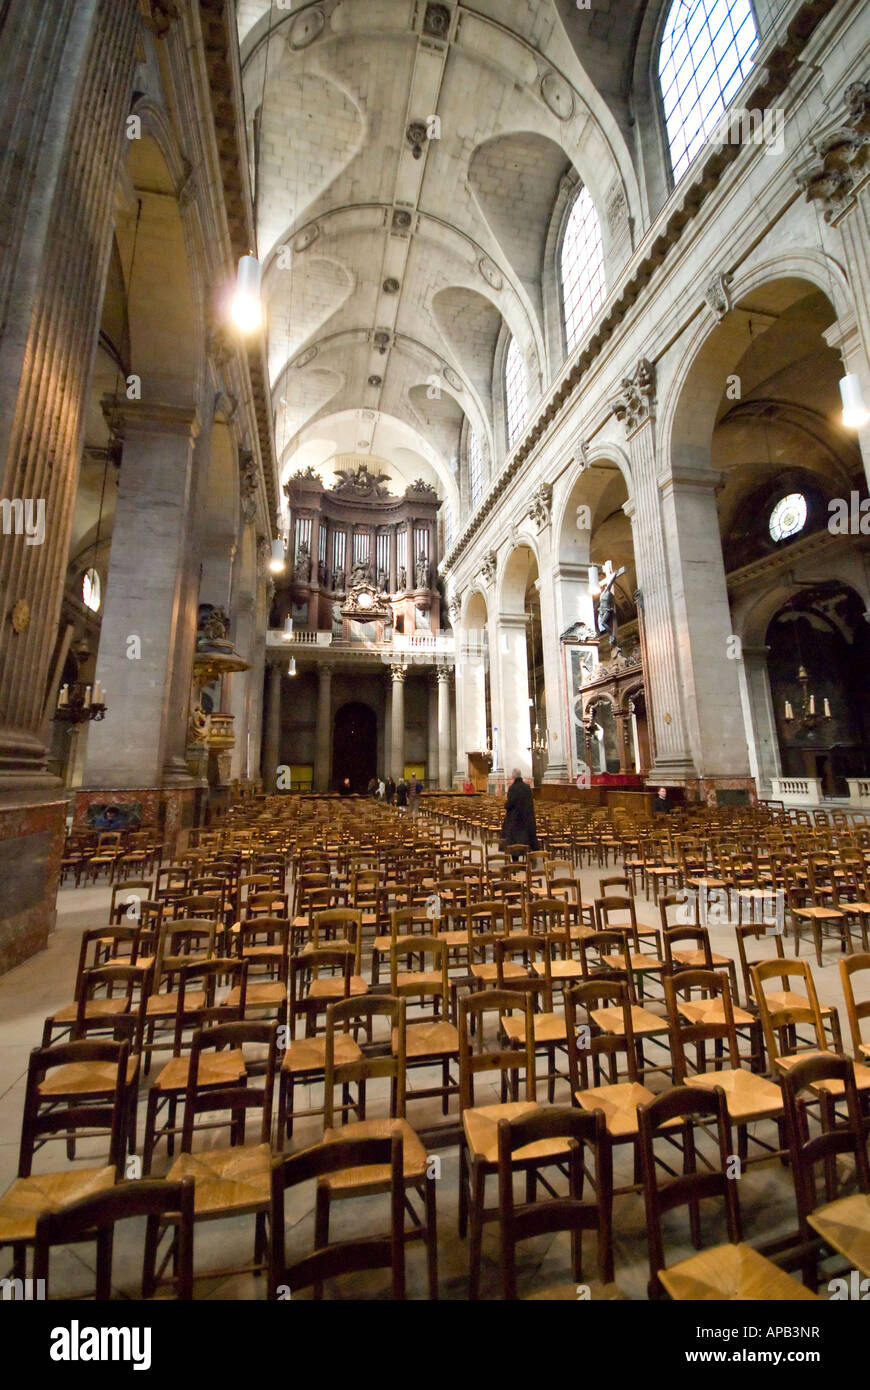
[[246, 309]]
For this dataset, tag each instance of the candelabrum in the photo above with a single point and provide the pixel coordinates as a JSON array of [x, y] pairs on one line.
[[79, 702], [807, 713]]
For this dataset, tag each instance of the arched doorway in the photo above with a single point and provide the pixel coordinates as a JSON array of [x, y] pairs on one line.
[[355, 745]]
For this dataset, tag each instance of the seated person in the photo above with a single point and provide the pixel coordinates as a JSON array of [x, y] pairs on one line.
[[661, 803]]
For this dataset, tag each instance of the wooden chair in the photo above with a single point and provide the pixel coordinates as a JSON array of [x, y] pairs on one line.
[[433, 1040], [73, 1089], [577, 1132], [536, 981], [196, 1003], [93, 948], [748, 1097], [94, 1218], [108, 852], [841, 1222], [304, 1060], [783, 1011], [361, 1253], [478, 1151], [233, 1180], [264, 942], [855, 1012], [731, 1271], [349, 1183], [750, 931]]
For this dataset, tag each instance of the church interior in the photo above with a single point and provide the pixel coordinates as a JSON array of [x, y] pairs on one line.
[[384, 383]]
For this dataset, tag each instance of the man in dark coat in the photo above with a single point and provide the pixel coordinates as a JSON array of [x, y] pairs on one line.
[[518, 827]]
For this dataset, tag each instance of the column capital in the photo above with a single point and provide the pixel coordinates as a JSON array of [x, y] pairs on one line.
[[126, 418], [442, 675], [398, 673]]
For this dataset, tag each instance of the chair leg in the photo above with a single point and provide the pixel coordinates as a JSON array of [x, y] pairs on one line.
[[463, 1189], [475, 1232], [431, 1236]]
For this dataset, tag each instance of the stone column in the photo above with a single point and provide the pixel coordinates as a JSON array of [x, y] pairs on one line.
[[443, 679], [388, 729], [554, 676], [707, 648], [143, 636], [433, 772], [272, 740], [66, 72], [514, 725], [634, 406], [397, 722], [759, 718], [323, 728]]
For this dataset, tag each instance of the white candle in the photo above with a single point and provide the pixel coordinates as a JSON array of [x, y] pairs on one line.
[[827, 709], [812, 704], [63, 700], [87, 697], [789, 712], [97, 695]]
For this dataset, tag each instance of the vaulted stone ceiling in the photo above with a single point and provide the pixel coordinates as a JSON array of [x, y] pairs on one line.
[[396, 260]]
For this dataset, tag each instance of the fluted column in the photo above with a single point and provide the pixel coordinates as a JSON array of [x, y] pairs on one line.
[[323, 728], [272, 740], [145, 608], [443, 679], [65, 80], [397, 722]]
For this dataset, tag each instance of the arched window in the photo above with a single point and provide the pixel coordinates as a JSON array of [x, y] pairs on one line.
[[92, 594], [582, 268], [514, 393], [475, 469], [703, 61]]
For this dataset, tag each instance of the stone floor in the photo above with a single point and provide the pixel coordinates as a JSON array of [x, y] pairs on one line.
[[44, 983]]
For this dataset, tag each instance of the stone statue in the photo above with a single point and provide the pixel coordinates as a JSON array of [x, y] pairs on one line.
[[360, 573], [401, 579], [607, 603], [302, 568], [338, 582], [322, 573], [383, 579], [422, 572]]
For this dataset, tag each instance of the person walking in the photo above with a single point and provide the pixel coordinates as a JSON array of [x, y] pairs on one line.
[[402, 794], [518, 827], [414, 793], [391, 791]]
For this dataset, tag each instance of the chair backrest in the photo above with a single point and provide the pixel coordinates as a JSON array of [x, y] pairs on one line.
[[684, 1033], [549, 917], [94, 1218], [699, 938], [341, 1017], [856, 1012], [343, 1256], [684, 906], [598, 944], [127, 1020], [749, 932], [688, 1104], [477, 1055], [71, 1112], [485, 922], [835, 1136], [774, 1016], [136, 888], [606, 909], [536, 963], [625, 886], [578, 1129], [252, 1091], [588, 1043], [196, 998], [413, 986]]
